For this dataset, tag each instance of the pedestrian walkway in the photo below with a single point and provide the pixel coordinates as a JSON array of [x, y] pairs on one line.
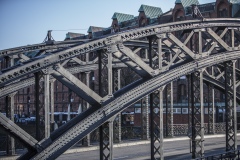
[[78, 149]]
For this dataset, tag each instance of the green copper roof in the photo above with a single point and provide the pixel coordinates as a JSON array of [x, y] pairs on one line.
[[187, 3], [150, 11], [121, 17]]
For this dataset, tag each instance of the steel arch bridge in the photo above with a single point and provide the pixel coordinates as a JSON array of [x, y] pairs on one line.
[[205, 50]]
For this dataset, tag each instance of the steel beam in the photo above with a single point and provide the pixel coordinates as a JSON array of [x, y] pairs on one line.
[[15, 131], [76, 85], [46, 105]]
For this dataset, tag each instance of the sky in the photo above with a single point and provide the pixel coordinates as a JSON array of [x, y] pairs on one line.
[[25, 22]]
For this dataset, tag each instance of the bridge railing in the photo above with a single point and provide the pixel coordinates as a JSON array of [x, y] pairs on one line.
[[226, 156]]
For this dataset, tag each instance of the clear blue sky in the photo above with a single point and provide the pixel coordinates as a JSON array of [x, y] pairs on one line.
[[25, 22]]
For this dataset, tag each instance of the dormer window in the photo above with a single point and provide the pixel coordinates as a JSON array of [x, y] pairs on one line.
[[142, 22], [179, 18]]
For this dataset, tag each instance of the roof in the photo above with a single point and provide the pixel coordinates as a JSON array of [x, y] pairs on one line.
[[121, 17], [150, 11], [235, 9], [92, 29], [73, 35], [234, 1], [207, 7], [187, 3]]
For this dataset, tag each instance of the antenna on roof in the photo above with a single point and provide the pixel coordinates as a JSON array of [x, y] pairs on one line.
[[49, 39], [196, 12]]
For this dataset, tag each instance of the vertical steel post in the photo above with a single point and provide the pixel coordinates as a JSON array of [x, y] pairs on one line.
[[230, 105], [88, 138], [52, 104], [160, 54], [171, 111], [110, 125], [12, 141], [211, 110], [144, 118], [161, 122], [46, 105], [117, 122], [10, 145], [9, 108], [37, 104], [197, 114], [105, 65]]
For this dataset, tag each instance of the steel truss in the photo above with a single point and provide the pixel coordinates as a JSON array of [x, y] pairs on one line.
[[123, 101], [197, 114], [160, 73]]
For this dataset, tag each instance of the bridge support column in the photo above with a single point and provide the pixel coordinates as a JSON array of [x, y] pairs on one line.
[[117, 123], [169, 111], [87, 138], [37, 88], [230, 106], [197, 114], [52, 104], [46, 105], [105, 65], [145, 118], [10, 145], [211, 110], [156, 128]]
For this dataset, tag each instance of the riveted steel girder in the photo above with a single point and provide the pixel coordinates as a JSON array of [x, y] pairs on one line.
[[76, 85]]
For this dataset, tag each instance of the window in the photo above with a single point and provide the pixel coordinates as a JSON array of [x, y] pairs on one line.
[[137, 110], [185, 110]]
